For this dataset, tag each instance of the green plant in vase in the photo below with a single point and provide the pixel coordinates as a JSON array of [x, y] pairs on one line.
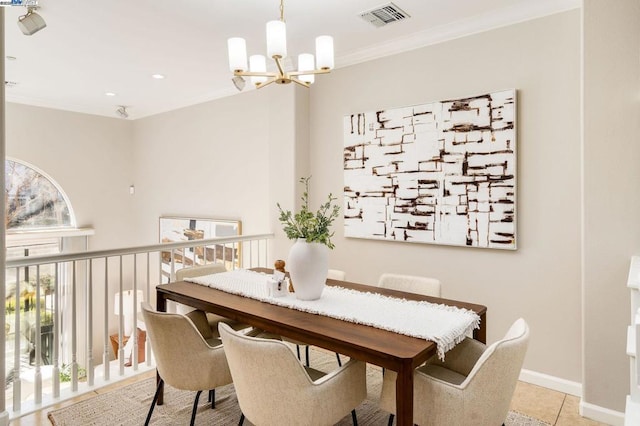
[[313, 227], [308, 258]]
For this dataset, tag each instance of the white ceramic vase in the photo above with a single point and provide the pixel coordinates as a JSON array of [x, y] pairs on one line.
[[308, 266]]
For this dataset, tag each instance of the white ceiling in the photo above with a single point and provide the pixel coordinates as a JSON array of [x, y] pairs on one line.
[[92, 47]]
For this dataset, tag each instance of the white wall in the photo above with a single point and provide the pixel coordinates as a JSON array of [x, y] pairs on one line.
[[288, 156], [611, 152], [208, 160], [88, 156], [541, 280]]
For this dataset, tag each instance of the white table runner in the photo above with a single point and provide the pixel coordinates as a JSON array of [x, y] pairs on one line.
[[445, 325]]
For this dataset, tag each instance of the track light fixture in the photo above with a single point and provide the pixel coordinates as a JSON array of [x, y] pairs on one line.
[[31, 22], [122, 111], [239, 82]]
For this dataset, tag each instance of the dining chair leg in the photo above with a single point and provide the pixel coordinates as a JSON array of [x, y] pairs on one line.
[[153, 403], [195, 406], [339, 361], [307, 354], [354, 418], [241, 419], [212, 398], [298, 350], [390, 420]]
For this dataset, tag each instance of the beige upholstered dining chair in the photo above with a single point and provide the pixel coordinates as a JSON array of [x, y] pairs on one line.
[[183, 357], [273, 388], [336, 274], [411, 284], [198, 271], [473, 385]]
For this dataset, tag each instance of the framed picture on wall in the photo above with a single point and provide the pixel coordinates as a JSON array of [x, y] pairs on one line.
[[175, 229], [442, 172]]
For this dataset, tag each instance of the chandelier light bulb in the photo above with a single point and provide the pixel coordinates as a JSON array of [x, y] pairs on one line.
[[305, 63], [276, 39], [257, 63], [237, 54], [324, 52]]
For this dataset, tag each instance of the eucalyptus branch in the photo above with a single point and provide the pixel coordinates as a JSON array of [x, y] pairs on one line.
[[313, 227]]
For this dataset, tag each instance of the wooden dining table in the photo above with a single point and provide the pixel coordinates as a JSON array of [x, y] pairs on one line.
[[396, 352]]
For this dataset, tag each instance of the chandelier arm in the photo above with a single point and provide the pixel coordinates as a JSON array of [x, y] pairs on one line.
[[279, 64], [300, 82], [320, 71], [255, 74], [266, 83]]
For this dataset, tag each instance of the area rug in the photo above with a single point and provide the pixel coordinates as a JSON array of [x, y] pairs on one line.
[[129, 405]]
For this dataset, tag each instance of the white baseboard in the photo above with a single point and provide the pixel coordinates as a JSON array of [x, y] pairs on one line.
[[551, 382], [631, 412], [601, 414], [590, 411]]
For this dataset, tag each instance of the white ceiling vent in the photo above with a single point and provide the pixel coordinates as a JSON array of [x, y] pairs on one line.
[[383, 15]]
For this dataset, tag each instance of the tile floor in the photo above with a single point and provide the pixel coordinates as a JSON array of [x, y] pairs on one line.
[[555, 408]]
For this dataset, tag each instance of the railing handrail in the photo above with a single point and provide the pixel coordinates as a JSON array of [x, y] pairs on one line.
[[69, 257], [66, 299]]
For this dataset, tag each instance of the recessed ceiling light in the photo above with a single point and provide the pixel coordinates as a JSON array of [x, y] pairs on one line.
[[157, 76], [109, 94]]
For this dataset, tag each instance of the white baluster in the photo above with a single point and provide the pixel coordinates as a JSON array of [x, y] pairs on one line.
[[38, 343], [106, 354], [89, 302], [56, 334]]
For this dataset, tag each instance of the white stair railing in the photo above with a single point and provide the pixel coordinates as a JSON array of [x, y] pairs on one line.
[[76, 321]]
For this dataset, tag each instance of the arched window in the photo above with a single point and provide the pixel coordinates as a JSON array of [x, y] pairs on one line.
[[40, 222], [33, 200]]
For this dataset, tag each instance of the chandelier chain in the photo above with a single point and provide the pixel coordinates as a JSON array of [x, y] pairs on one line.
[[282, 10]]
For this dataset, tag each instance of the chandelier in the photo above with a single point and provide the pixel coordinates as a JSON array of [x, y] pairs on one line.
[[277, 50]]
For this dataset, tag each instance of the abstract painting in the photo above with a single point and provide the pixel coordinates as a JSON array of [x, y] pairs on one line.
[[442, 172]]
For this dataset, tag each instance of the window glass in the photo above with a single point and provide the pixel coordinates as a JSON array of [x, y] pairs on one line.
[[33, 200]]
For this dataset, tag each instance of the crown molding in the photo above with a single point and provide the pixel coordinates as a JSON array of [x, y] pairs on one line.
[[110, 112], [480, 23]]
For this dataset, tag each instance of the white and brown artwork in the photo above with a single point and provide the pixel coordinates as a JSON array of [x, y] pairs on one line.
[[442, 172]]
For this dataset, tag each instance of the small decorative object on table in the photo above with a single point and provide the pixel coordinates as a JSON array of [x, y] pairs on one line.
[[277, 287], [309, 256], [278, 283], [279, 266]]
